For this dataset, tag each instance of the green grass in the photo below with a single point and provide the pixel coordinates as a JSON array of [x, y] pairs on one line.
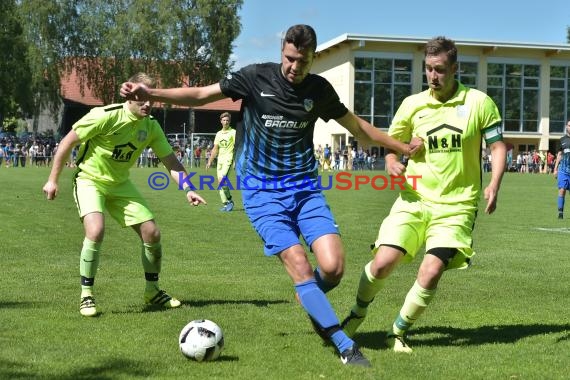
[[504, 318]]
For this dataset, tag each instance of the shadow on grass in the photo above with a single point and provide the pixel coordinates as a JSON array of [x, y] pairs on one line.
[[112, 369], [450, 336], [258, 303], [17, 305], [201, 303]]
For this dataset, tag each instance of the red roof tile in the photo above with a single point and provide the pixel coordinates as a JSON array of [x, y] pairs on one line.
[[70, 91]]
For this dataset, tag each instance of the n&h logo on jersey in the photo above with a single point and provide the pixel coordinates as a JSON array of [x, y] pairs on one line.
[[446, 143], [308, 103]]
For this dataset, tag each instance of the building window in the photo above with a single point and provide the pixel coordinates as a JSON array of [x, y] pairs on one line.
[[559, 98], [515, 89], [380, 86], [467, 73]]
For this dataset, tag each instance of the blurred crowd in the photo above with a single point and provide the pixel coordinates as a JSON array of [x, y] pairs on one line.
[[26, 150]]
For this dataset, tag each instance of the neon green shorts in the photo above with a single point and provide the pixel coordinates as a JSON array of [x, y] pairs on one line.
[[223, 168], [412, 223], [123, 201]]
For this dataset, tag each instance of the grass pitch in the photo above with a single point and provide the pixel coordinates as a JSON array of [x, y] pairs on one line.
[[506, 317]]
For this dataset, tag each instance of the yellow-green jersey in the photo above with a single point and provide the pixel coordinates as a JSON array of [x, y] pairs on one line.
[[225, 139], [449, 171], [112, 138]]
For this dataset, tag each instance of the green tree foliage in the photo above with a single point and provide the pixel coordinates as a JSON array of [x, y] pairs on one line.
[[15, 75], [105, 42]]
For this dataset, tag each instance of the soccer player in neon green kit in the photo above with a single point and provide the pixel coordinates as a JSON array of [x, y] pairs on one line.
[[440, 210], [224, 143], [112, 138]]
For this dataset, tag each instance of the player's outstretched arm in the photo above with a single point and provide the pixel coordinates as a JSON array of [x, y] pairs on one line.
[[213, 155], [70, 140], [177, 172], [186, 96], [364, 131]]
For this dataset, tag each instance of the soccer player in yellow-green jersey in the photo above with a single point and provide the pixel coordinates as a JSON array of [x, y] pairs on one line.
[[438, 206], [224, 143], [111, 139]]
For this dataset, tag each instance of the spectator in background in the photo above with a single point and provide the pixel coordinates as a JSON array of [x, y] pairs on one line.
[[337, 159], [327, 155], [16, 152], [519, 162], [197, 156], [188, 154], [550, 159]]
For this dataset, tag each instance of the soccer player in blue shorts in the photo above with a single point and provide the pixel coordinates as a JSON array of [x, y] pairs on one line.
[[562, 170], [111, 139], [437, 211], [281, 103]]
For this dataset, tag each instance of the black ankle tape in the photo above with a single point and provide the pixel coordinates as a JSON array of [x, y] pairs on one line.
[[329, 331], [151, 276]]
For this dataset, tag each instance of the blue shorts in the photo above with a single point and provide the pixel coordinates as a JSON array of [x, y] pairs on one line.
[[563, 180], [281, 216]]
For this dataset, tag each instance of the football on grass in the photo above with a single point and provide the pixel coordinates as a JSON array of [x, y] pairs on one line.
[[201, 340]]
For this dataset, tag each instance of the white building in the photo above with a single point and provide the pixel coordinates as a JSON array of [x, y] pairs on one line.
[[372, 74]]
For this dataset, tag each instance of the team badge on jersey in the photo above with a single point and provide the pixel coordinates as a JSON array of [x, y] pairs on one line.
[[308, 103], [461, 111], [141, 135]]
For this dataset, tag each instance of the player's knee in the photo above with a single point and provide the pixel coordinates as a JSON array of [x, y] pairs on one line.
[[150, 233], [332, 269], [95, 234], [332, 274]]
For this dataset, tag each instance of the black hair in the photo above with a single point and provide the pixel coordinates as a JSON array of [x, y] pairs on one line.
[[302, 36]]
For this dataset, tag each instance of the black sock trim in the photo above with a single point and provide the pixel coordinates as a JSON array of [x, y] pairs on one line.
[[329, 331], [362, 303], [151, 276]]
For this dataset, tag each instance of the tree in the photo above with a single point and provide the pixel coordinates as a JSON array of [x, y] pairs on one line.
[[15, 91], [178, 41]]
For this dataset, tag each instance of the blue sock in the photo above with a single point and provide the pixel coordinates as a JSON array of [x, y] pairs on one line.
[[318, 307], [560, 203], [325, 286], [316, 303], [341, 341]]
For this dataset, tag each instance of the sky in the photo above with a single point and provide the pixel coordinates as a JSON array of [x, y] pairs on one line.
[[264, 21]]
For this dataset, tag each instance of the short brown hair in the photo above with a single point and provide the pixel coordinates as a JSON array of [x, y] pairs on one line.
[[441, 44], [226, 114], [143, 78]]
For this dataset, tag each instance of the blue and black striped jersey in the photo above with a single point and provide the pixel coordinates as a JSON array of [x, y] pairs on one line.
[[564, 164], [279, 118]]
